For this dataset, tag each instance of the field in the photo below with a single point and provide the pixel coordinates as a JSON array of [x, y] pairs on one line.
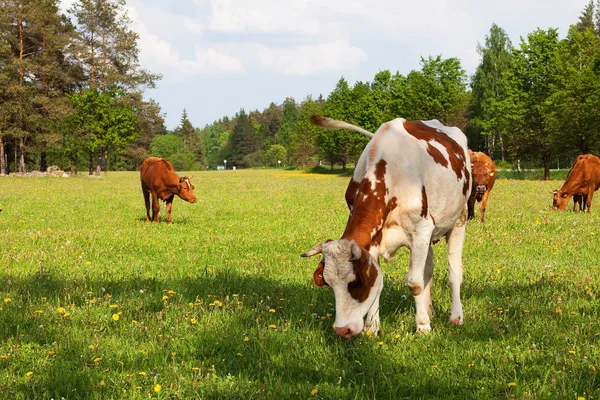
[[96, 303]]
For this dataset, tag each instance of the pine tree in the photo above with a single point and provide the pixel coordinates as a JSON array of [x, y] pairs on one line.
[[243, 140], [189, 136]]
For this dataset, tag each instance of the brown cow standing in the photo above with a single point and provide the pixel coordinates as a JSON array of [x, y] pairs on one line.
[[583, 180], [160, 180], [484, 177]]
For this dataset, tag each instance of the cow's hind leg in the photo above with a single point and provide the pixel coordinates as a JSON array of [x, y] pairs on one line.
[[588, 199], [418, 279], [455, 240], [147, 202], [155, 207]]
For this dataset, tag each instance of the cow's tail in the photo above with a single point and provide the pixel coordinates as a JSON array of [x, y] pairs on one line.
[[334, 124]]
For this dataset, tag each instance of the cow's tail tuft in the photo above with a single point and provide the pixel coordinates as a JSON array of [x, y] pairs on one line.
[[335, 124]]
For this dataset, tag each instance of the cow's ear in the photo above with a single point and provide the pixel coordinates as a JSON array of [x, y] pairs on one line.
[[470, 153], [181, 179], [356, 252], [179, 187], [318, 275]]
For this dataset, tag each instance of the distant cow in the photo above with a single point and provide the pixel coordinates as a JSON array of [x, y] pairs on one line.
[[484, 177], [410, 188], [583, 180], [160, 181]]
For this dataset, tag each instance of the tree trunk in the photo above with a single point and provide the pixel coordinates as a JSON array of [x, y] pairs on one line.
[[501, 147], [2, 158], [99, 163], [105, 154], [22, 154], [583, 146], [43, 164], [546, 160], [91, 163]]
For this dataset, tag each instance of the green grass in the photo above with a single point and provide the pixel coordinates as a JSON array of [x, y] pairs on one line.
[[220, 305]]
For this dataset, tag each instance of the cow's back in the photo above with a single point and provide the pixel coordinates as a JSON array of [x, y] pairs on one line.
[[157, 173], [415, 159], [585, 170]]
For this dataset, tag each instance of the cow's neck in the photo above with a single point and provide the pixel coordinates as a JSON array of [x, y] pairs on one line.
[[369, 209]]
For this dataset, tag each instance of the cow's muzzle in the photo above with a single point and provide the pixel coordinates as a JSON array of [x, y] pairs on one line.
[[480, 189]]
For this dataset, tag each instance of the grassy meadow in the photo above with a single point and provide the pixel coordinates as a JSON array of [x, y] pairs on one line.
[[96, 303]]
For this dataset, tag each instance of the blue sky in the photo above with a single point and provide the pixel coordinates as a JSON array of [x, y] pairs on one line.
[[217, 56]]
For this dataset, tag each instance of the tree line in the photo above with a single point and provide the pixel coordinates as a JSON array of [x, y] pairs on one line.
[[71, 93]]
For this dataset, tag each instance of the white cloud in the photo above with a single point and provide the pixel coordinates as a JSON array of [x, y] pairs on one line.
[[311, 59], [192, 26]]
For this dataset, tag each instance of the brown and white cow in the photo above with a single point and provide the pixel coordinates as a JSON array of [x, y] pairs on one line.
[[160, 181], [583, 180], [410, 188], [484, 177]]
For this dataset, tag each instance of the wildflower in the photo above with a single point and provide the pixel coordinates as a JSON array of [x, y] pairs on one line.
[[97, 359], [571, 351], [91, 347], [67, 314], [272, 326], [369, 332], [157, 388], [113, 306], [193, 321], [380, 343], [218, 303], [4, 357], [51, 353], [38, 311], [60, 310], [512, 384], [7, 299], [165, 297], [142, 373], [195, 369], [191, 304], [593, 368], [239, 354], [101, 383], [246, 338], [29, 373], [171, 292], [115, 317], [314, 391], [471, 365], [88, 263], [272, 310]]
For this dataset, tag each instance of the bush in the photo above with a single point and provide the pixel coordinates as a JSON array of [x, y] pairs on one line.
[[253, 160], [274, 153]]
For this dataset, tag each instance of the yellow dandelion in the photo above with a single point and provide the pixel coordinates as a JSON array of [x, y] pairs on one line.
[[97, 359], [314, 391], [142, 373], [191, 304], [272, 326], [91, 347], [239, 354], [193, 321], [38, 311], [581, 398], [171, 292], [571, 351], [218, 303], [60, 310], [157, 388], [7, 299], [115, 317], [29, 373], [369, 332], [165, 297], [88, 263], [512, 384], [51, 353], [4, 357], [593, 368], [246, 338], [195, 369], [67, 314], [113, 306], [380, 343], [101, 383], [272, 310], [471, 365], [397, 336], [357, 362]]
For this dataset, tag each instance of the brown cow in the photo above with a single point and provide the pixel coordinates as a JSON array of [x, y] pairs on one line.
[[484, 177], [583, 180], [160, 180]]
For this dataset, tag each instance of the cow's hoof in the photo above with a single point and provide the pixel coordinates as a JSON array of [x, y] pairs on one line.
[[423, 329]]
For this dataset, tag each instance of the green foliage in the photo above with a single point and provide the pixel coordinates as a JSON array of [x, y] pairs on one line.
[[243, 140], [275, 153], [194, 299], [172, 148]]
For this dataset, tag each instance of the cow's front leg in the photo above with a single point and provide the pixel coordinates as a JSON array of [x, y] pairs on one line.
[[418, 279], [169, 207], [155, 207], [484, 201], [455, 240], [147, 203]]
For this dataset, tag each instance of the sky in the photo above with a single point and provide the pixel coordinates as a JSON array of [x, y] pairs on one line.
[[218, 56]]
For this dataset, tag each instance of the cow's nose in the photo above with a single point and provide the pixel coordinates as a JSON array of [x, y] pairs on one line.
[[344, 331], [193, 200], [480, 189]]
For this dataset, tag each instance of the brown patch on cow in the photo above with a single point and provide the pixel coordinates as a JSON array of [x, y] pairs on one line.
[[424, 208], [432, 219], [415, 290], [456, 154], [351, 193], [366, 275], [369, 209]]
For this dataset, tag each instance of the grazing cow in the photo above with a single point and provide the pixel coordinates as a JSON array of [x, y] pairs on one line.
[[160, 180], [582, 181], [484, 177], [410, 188]]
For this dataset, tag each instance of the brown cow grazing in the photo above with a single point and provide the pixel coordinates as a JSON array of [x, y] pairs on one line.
[[484, 177], [583, 180], [160, 180]]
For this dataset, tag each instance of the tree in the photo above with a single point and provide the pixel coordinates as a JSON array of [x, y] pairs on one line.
[[274, 154], [489, 88], [532, 82], [171, 148], [335, 146], [243, 140], [302, 149], [288, 121], [270, 122], [189, 136]]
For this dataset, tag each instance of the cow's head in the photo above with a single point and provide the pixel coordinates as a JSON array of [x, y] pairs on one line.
[[355, 278], [482, 173], [560, 200], [185, 189]]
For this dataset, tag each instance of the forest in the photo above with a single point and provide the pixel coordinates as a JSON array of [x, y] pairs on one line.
[[72, 95]]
